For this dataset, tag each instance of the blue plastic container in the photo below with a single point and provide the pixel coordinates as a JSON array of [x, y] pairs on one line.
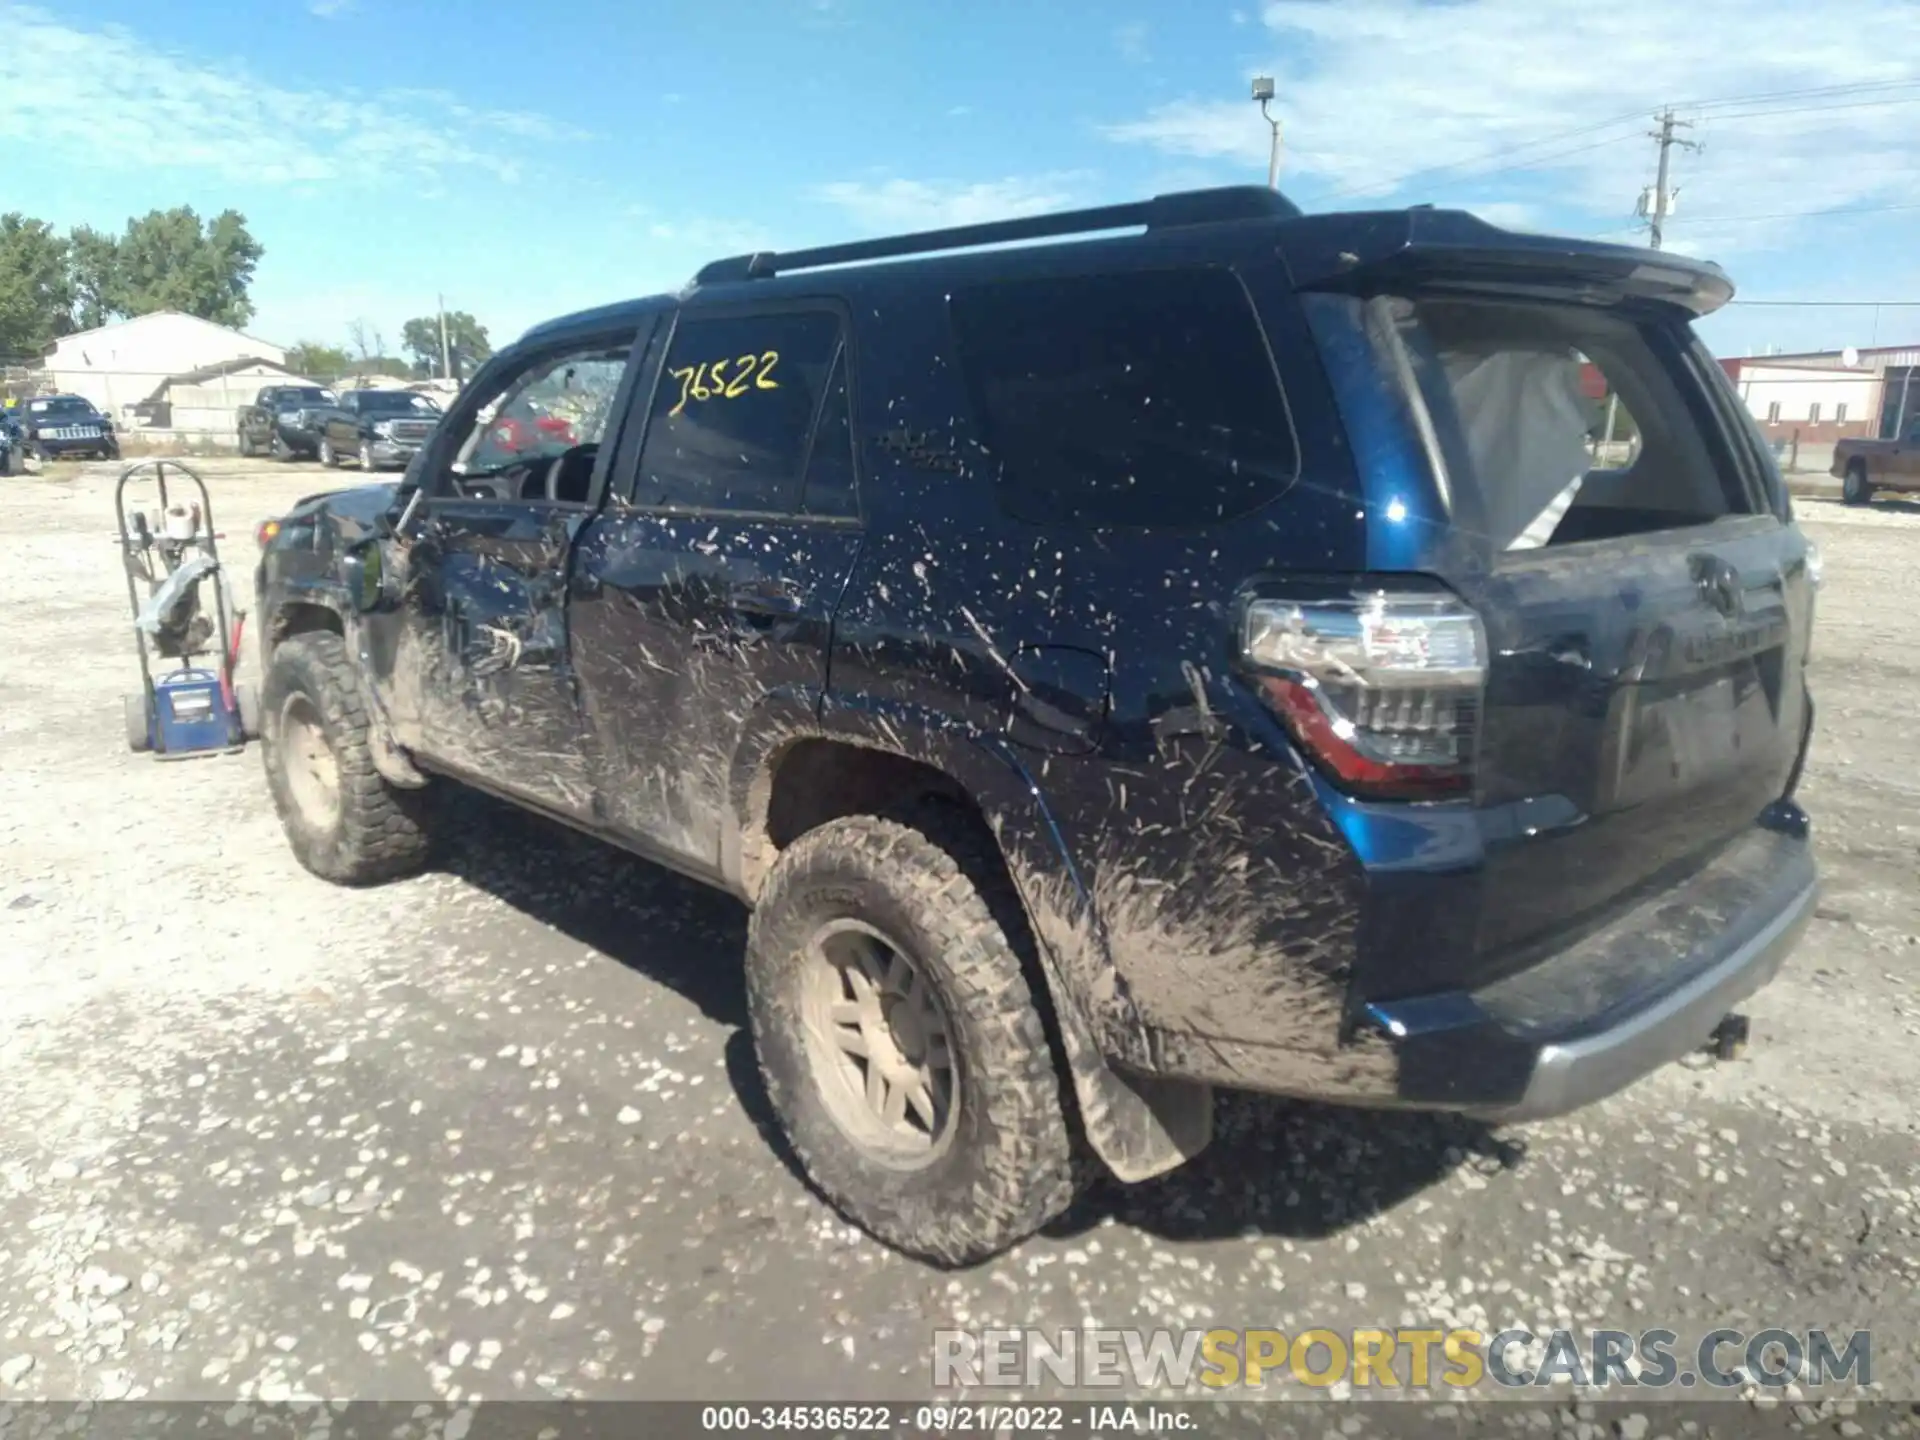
[[191, 715]]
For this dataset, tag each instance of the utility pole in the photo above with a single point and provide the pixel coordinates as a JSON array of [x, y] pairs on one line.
[[1662, 203], [446, 354], [1655, 207]]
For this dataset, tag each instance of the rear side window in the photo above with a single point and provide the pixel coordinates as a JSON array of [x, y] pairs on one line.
[[734, 411], [1130, 400]]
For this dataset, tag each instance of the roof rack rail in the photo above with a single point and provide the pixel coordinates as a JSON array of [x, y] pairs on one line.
[[1186, 207]]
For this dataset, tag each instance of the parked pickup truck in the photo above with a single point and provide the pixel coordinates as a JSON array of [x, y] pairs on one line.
[[1864, 466], [281, 422], [378, 428]]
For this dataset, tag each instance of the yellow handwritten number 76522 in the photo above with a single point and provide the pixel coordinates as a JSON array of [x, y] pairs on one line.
[[710, 380]]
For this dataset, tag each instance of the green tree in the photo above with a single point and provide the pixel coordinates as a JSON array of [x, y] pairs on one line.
[[36, 296], [318, 361], [173, 260], [90, 267], [466, 342]]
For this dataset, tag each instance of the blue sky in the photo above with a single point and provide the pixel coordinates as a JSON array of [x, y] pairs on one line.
[[527, 160]]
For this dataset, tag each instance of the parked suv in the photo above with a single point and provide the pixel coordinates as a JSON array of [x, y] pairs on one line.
[[1109, 669], [63, 425]]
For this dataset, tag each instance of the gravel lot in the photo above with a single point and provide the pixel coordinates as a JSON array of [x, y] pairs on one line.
[[496, 1132]]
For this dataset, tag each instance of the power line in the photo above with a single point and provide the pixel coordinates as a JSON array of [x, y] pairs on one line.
[[1836, 304], [1471, 163], [1773, 215], [1814, 109], [1852, 88]]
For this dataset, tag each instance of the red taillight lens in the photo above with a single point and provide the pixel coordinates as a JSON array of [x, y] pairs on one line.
[[1382, 689], [266, 531]]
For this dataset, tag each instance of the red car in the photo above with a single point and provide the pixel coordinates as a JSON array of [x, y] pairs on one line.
[[513, 434]]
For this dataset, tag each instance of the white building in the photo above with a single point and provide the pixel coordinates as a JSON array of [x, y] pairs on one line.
[[1818, 402], [1894, 397], [120, 365]]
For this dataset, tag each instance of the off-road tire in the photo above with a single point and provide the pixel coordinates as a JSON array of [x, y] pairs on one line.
[[1856, 489], [1008, 1168], [379, 831]]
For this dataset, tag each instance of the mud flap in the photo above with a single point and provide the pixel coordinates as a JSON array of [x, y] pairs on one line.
[[1139, 1125]]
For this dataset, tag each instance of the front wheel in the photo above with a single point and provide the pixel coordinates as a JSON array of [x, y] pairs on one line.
[[345, 823], [139, 719], [1856, 489], [326, 455], [366, 456], [901, 1045]]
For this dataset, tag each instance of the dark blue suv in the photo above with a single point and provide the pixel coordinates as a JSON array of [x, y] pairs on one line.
[[1352, 656]]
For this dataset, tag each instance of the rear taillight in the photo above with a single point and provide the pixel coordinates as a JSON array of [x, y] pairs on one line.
[[1381, 688], [266, 531]]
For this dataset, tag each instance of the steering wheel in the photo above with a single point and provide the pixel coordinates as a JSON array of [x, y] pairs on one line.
[[557, 469]]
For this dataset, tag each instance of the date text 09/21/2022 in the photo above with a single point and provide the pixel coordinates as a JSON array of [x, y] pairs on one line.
[[947, 1419]]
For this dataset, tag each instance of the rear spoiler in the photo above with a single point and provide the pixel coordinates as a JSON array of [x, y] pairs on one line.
[[1452, 250]]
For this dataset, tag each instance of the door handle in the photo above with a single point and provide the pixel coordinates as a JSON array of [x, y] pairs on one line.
[[766, 600]]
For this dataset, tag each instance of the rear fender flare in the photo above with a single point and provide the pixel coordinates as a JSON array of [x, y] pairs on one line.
[[1140, 1126]]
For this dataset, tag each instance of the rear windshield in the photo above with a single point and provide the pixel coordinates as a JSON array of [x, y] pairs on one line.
[[1129, 400], [1558, 423]]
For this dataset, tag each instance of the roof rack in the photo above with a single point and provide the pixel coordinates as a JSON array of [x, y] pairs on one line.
[[1186, 207]]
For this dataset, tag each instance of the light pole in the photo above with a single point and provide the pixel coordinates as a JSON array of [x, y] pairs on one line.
[[1263, 92]]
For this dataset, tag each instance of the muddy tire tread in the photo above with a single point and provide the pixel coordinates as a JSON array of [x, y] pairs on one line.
[[1021, 1172], [382, 832]]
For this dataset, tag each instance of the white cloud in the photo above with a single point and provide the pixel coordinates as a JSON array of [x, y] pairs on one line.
[[710, 237], [1131, 41], [897, 204], [1376, 93], [121, 102], [1508, 214]]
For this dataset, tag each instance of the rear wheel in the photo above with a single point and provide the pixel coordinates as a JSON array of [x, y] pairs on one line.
[[344, 822], [246, 705], [901, 1045], [279, 449], [327, 457], [1856, 489]]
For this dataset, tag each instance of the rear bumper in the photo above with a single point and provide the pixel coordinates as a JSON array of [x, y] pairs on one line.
[[1644, 989]]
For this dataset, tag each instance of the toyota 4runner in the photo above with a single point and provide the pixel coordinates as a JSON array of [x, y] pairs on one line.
[[1214, 647]]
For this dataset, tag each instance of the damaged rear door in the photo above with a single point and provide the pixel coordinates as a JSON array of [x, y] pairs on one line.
[[484, 642]]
